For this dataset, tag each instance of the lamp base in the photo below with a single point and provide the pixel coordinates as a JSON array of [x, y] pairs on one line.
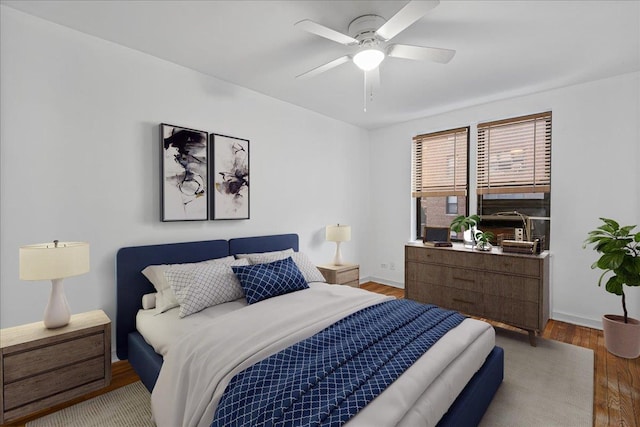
[[57, 313], [337, 259]]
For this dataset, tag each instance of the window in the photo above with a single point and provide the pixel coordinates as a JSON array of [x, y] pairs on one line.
[[452, 205], [514, 172], [439, 176]]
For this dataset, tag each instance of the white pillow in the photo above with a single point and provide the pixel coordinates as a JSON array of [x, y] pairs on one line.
[[165, 298], [306, 267], [265, 257], [149, 301], [203, 286]]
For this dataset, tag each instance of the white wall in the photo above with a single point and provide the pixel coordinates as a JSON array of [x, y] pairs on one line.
[[79, 160], [80, 156], [595, 158]]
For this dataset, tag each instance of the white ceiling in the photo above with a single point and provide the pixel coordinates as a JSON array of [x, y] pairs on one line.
[[504, 48]]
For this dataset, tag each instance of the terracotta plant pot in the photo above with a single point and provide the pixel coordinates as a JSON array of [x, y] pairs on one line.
[[621, 339]]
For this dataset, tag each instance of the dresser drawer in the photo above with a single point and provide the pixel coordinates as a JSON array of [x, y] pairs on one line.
[[426, 273], [514, 265], [49, 383], [464, 300], [513, 287], [29, 363], [524, 314], [430, 255]]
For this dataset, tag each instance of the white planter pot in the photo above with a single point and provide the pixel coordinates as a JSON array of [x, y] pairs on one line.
[[621, 339]]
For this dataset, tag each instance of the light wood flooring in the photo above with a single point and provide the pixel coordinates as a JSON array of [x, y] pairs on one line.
[[616, 399]]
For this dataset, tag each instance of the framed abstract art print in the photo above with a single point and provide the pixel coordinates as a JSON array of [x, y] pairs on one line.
[[229, 181], [184, 191]]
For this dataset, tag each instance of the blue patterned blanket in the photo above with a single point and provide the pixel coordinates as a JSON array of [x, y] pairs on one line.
[[327, 378]]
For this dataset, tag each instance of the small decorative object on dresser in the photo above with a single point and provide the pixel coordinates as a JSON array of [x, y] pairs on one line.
[[338, 233], [54, 261], [346, 274], [620, 256], [40, 367], [472, 236]]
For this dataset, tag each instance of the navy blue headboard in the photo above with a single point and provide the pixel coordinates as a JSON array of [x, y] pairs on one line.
[[132, 285], [249, 245]]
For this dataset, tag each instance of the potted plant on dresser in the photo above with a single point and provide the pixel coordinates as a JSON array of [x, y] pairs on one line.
[[620, 251], [476, 238]]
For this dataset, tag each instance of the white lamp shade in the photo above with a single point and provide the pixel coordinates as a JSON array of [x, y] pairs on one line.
[[45, 261], [338, 233]]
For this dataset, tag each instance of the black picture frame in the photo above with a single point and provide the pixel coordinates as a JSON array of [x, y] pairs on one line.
[[229, 178], [184, 174]]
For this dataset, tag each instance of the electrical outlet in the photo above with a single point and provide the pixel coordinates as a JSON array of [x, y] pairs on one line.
[[519, 235], [392, 265]]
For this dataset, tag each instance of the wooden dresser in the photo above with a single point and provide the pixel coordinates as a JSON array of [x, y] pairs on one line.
[[40, 367], [508, 288]]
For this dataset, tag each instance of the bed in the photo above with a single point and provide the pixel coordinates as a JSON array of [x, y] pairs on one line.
[[467, 408]]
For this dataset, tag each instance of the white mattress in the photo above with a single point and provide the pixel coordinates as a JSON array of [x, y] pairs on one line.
[[419, 397], [161, 330]]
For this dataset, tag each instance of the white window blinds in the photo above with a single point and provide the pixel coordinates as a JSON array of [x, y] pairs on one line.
[[439, 164], [514, 155]]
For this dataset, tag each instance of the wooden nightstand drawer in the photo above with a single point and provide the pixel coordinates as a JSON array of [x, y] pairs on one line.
[[352, 275], [44, 385], [25, 364], [42, 367], [348, 274]]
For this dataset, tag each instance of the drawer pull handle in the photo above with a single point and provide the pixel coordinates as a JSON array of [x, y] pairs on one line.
[[464, 279], [463, 301]]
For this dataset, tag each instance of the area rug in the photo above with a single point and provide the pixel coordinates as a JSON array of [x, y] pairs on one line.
[[547, 385], [127, 406]]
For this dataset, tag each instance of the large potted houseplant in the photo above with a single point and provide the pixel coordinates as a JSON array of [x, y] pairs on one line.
[[477, 238], [620, 261]]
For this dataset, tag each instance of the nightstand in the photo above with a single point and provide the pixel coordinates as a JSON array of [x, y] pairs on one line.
[[347, 274], [40, 367]]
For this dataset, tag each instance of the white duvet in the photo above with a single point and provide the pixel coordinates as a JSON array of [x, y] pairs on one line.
[[198, 366]]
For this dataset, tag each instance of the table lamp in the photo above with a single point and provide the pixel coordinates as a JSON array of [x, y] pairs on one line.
[[54, 261], [338, 233]]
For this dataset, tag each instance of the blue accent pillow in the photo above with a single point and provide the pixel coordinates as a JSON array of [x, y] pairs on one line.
[[263, 281]]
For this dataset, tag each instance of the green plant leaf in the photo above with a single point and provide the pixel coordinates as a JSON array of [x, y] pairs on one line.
[[611, 260], [624, 231], [611, 223], [614, 286]]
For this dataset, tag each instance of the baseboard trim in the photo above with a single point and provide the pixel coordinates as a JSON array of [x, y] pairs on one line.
[[398, 285], [577, 320]]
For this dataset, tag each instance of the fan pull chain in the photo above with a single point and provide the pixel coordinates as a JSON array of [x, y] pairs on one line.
[[365, 91]]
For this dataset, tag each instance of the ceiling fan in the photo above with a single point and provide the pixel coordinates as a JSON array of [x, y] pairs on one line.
[[371, 33]]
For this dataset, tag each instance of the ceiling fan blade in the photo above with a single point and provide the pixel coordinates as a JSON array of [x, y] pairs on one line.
[[325, 67], [420, 53], [326, 32], [406, 16]]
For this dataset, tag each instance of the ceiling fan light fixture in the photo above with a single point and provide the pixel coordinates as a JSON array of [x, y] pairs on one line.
[[368, 59]]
